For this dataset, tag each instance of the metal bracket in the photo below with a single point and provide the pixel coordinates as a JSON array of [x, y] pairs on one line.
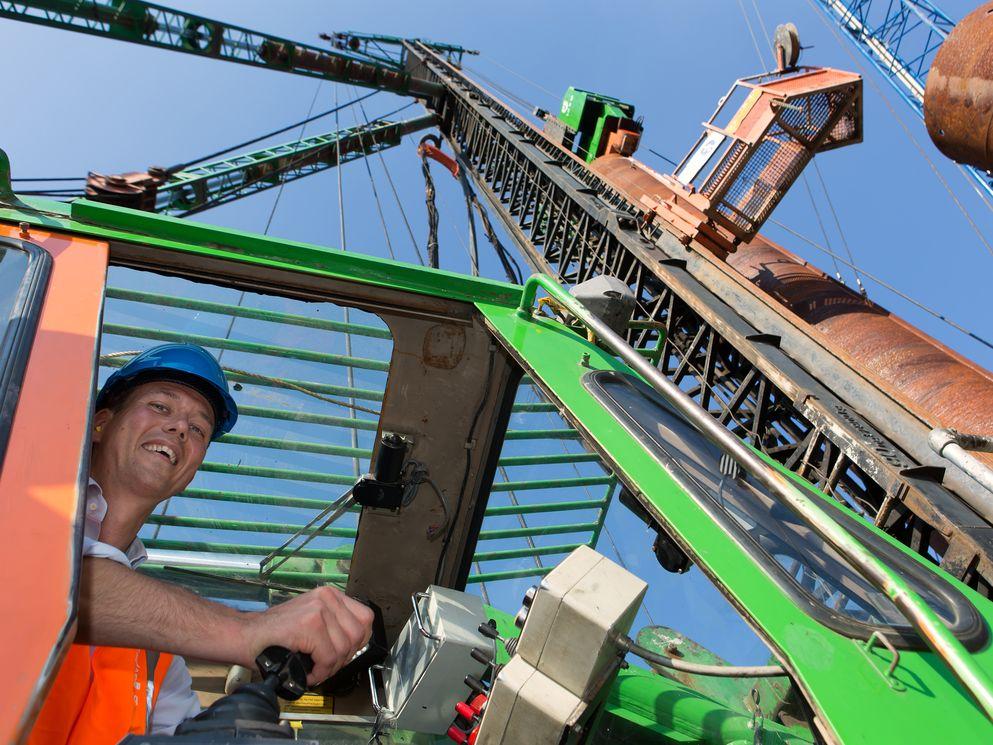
[[866, 649], [414, 600]]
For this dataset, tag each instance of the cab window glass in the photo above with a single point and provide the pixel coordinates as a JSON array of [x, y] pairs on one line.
[[784, 544]]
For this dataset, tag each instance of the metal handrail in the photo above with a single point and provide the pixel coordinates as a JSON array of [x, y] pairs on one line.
[[932, 630]]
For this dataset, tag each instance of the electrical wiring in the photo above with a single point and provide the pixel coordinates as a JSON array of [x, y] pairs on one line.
[[715, 671], [470, 447]]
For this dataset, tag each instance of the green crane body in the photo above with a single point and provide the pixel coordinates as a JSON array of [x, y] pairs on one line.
[[914, 697]]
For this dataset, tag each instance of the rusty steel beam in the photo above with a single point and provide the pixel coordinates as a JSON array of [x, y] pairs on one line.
[[747, 357]]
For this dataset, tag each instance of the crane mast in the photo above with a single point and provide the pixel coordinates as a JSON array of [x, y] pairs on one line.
[[741, 357]]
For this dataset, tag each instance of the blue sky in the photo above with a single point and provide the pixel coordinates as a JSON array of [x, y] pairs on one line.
[[76, 103]]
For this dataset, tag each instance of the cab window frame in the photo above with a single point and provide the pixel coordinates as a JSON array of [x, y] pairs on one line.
[[20, 328]]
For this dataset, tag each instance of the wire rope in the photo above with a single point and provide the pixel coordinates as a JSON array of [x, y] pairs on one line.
[[527, 80], [375, 191], [350, 374], [396, 196], [886, 285], [755, 42], [307, 120], [905, 128], [837, 223], [820, 224]]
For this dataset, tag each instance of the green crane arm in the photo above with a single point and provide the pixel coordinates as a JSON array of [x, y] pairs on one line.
[[389, 50], [208, 185], [155, 25]]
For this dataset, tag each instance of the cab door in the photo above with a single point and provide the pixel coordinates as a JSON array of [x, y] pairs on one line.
[[51, 294]]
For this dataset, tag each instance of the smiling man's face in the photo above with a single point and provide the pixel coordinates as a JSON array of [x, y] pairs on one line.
[[154, 441]]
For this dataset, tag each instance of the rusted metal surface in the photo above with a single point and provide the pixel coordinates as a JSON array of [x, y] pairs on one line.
[[938, 385], [958, 99], [136, 190], [751, 153]]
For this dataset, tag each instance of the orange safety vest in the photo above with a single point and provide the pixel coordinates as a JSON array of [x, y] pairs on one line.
[[100, 695]]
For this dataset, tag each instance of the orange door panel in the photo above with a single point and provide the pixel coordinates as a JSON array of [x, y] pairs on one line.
[[43, 476]]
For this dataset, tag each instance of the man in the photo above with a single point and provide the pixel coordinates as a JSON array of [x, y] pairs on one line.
[[153, 422]]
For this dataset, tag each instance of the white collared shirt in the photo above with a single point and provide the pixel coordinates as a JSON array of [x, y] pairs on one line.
[[176, 700]]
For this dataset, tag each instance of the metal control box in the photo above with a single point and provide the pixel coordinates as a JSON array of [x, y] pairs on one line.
[[424, 676]]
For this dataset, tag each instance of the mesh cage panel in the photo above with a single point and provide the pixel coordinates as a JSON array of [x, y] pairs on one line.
[[748, 182]]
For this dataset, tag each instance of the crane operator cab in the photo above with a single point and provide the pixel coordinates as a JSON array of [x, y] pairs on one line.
[[559, 545]]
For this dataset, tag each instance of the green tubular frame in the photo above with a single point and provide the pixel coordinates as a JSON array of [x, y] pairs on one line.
[[917, 699], [210, 185]]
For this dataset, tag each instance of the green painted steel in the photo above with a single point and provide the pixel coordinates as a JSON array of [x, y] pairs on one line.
[[272, 350], [920, 701], [526, 553], [363, 394], [241, 526], [343, 552], [502, 574], [782, 484], [269, 500], [543, 434], [304, 580], [585, 114], [369, 425], [241, 311], [831, 670], [208, 185], [541, 508], [300, 447], [158, 26], [533, 530], [110, 222]]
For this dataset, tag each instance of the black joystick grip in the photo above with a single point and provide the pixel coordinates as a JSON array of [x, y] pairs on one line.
[[289, 669]]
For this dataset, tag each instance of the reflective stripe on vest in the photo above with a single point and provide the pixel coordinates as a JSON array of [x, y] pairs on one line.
[[100, 695]]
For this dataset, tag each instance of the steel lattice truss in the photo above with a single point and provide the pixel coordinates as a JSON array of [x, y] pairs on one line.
[[574, 226]]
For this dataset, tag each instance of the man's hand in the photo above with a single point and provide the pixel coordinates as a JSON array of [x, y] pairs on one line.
[[324, 623], [122, 608]]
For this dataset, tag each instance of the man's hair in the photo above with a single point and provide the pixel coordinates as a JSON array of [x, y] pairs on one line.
[[117, 397]]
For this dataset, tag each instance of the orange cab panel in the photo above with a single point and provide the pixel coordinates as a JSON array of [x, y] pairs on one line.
[[43, 474]]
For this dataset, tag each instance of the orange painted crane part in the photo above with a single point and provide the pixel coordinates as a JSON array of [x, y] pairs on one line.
[[937, 385], [41, 482]]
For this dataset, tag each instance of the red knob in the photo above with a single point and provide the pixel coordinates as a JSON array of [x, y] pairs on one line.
[[454, 733], [465, 711], [472, 737], [478, 703]]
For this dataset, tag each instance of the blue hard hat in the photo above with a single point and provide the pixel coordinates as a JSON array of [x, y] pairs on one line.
[[183, 363]]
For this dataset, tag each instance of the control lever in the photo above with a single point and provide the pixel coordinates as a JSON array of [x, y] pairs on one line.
[[347, 678], [253, 710]]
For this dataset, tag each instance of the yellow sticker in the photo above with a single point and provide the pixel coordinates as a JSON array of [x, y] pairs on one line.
[[311, 703]]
